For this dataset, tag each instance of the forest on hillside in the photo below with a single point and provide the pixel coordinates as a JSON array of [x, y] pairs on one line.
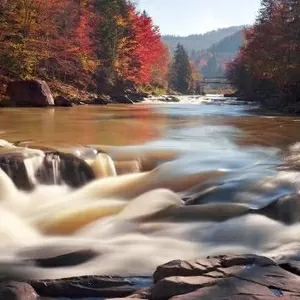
[[267, 67], [198, 42], [97, 46], [213, 61], [86, 45], [212, 51]]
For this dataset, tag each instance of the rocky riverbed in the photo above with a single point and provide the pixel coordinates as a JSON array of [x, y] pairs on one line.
[[248, 277]]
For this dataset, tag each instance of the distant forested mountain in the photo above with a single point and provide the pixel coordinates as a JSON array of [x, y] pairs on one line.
[[212, 62], [198, 42]]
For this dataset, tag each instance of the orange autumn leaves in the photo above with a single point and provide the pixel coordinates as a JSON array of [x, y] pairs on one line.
[[64, 40], [268, 65], [141, 50]]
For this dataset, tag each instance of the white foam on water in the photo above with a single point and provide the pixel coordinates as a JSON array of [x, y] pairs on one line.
[[113, 216]]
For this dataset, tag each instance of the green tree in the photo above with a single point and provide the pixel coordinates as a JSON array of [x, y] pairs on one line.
[[267, 11], [180, 72], [108, 35]]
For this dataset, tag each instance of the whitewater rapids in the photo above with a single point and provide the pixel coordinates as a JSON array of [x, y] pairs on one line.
[[137, 221]]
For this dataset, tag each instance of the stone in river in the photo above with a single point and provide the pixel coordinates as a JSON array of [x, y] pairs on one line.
[[62, 101], [85, 287], [26, 170], [73, 171]]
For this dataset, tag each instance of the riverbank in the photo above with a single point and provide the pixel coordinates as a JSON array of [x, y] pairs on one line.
[[11, 93], [270, 105]]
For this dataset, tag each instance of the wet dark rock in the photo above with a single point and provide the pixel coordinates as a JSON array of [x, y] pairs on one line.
[[13, 165], [102, 100], [66, 168], [291, 266], [172, 99], [85, 287], [32, 93], [53, 168], [232, 95], [123, 99], [62, 101], [166, 99], [17, 291], [65, 260], [136, 97]]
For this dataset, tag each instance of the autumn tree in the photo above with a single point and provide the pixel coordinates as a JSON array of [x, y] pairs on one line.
[[93, 45], [268, 66]]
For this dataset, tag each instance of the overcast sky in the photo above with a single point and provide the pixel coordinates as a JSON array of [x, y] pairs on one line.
[[184, 17]]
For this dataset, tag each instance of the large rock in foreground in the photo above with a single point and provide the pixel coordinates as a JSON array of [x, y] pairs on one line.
[[246, 277], [32, 93]]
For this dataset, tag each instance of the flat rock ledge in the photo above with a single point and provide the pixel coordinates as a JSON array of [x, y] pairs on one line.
[[244, 277]]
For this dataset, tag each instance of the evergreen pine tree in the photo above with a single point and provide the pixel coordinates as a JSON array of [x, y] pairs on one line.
[[180, 71], [268, 8], [108, 36]]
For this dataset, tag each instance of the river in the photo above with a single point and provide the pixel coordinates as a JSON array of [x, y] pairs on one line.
[[236, 170]]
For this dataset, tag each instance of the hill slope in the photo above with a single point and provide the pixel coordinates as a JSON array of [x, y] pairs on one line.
[[199, 42], [212, 62]]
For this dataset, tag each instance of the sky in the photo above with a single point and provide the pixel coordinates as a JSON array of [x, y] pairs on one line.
[[184, 17]]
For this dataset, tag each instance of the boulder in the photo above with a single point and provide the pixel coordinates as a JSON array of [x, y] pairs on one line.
[[62, 101], [13, 164], [136, 97], [247, 277], [17, 291], [58, 168], [172, 99], [51, 168], [102, 100], [32, 93], [123, 99]]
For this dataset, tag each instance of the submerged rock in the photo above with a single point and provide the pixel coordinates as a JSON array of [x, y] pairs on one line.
[[33, 93]]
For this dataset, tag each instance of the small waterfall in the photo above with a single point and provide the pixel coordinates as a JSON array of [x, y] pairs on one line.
[[32, 167], [50, 168]]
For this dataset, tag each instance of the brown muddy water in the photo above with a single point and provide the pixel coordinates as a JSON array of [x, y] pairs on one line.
[[205, 176]]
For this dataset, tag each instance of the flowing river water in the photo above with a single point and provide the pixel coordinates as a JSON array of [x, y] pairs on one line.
[[201, 177]]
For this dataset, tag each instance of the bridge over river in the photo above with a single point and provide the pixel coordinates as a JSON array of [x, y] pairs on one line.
[[214, 80], [213, 83]]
